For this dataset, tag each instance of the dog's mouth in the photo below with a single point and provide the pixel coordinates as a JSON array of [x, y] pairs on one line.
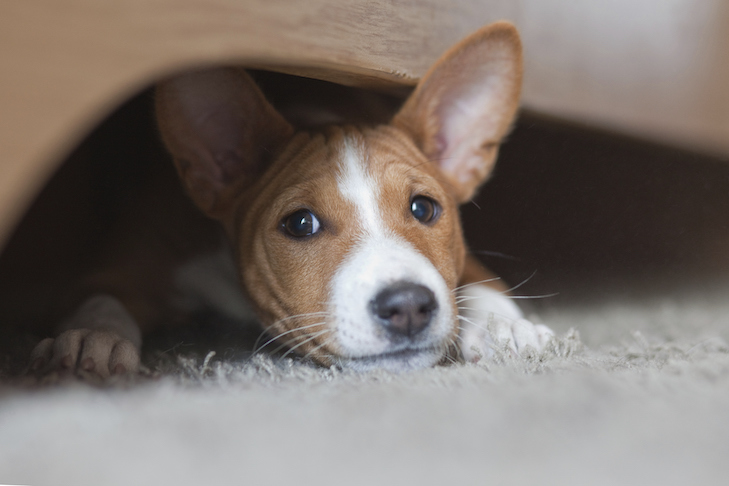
[[406, 359]]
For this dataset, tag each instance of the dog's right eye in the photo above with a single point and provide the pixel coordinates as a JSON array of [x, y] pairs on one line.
[[425, 210], [300, 224]]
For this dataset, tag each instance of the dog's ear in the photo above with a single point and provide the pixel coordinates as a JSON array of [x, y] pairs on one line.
[[220, 130], [464, 106]]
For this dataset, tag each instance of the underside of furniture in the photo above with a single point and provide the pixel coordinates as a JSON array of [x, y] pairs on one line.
[[656, 71]]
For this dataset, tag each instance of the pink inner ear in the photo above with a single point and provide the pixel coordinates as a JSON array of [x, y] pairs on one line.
[[467, 122], [464, 105], [222, 135], [474, 110]]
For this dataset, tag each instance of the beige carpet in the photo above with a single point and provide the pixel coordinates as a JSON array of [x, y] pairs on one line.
[[635, 394]]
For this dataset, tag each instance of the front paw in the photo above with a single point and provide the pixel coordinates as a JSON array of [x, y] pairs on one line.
[[515, 336], [491, 322], [80, 351]]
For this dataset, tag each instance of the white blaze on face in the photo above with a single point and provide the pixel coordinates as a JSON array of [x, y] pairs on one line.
[[379, 259]]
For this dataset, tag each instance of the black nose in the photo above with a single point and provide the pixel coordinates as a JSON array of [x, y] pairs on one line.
[[404, 308]]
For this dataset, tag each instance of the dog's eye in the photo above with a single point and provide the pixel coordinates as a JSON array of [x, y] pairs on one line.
[[425, 209], [301, 223]]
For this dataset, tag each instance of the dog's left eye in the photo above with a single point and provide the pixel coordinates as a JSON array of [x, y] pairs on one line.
[[425, 209], [300, 224]]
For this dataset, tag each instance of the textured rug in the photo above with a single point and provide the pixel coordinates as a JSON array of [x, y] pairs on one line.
[[627, 394]]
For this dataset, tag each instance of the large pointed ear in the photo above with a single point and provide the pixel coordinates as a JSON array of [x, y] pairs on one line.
[[220, 130], [464, 106]]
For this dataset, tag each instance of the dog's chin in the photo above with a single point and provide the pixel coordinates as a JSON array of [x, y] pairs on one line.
[[404, 360]]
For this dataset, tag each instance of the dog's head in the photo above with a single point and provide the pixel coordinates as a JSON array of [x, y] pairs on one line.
[[348, 238]]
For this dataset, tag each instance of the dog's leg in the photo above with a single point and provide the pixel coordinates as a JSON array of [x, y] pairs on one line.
[[490, 320], [101, 337]]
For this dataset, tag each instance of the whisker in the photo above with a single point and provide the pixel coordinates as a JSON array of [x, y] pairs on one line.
[[476, 283], [448, 357], [496, 254], [467, 298], [490, 316], [520, 284], [417, 166], [296, 316], [471, 309], [317, 348], [451, 344], [471, 322], [288, 318], [291, 341], [440, 159], [466, 319], [311, 338], [279, 336], [458, 336], [544, 296]]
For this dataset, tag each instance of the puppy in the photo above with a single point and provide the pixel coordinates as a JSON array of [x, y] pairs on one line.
[[345, 239]]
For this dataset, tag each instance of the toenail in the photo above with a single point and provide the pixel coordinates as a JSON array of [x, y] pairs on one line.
[[88, 364], [67, 361], [37, 364]]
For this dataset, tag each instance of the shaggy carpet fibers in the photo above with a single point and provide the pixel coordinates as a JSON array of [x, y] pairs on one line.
[[628, 393]]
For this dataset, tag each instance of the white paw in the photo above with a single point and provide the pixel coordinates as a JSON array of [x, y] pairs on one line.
[[491, 322], [100, 338], [84, 350]]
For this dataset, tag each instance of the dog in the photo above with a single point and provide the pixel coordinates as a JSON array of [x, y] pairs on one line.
[[345, 239]]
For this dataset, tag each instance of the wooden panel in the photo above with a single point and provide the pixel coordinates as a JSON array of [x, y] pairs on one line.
[[652, 69], [66, 63], [657, 70]]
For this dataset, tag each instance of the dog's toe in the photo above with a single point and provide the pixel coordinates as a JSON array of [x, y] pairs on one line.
[[66, 348], [96, 352], [524, 334], [544, 335], [41, 354], [124, 358], [85, 351], [528, 337]]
